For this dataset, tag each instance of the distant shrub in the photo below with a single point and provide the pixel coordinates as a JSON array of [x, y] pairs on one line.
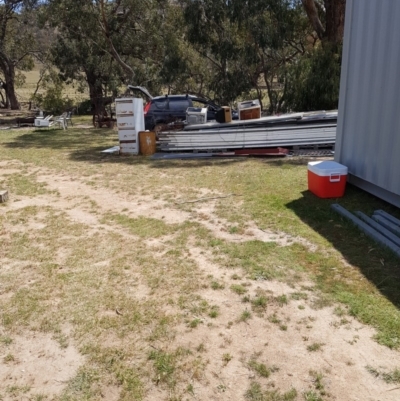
[[313, 82]]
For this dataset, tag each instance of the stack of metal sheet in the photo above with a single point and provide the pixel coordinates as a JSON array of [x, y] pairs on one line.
[[290, 130]]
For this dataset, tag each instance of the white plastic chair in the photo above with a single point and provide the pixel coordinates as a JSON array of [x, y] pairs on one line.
[[43, 122], [68, 118], [61, 121]]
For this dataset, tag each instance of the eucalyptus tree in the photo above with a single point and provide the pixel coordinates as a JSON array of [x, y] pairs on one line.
[[278, 35], [315, 79], [80, 52], [249, 45], [16, 45], [219, 40], [113, 42], [148, 37]]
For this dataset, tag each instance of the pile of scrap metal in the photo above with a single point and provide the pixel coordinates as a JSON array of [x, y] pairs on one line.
[[317, 129], [381, 227]]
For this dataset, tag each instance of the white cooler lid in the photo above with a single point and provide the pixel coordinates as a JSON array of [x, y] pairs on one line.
[[327, 168]]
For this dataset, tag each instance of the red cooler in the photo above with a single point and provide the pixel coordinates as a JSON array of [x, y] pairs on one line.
[[327, 179]]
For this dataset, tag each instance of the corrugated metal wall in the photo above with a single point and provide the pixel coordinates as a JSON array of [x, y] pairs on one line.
[[368, 134]]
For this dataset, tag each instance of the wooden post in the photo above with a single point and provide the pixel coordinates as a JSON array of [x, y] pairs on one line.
[[3, 196]]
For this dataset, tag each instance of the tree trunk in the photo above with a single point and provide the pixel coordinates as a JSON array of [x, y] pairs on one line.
[[10, 92], [8, 70], [282, 100], [312, 14], [96, 96], [335, 12], [265, 72], [2, 98]]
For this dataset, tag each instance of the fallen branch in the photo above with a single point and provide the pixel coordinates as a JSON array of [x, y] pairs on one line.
[[392, 389], [208, 198]]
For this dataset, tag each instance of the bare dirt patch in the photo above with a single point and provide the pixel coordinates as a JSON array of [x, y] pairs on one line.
[[254, 323], [34, 364], [283, 338], [148, 206]]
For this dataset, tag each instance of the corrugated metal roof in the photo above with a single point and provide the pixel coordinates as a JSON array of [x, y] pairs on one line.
[[368, 135]]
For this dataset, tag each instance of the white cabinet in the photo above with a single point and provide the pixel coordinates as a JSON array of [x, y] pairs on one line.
[[130, 121]]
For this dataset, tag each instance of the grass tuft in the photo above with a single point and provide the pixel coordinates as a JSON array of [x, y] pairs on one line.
[[260, 368], [217, 286], [312, 396], [260, 302], [389, 377], [315, 347], [143, 227], [239, 289], [282, 300], [164, 366], [246, 315], [256, 393]]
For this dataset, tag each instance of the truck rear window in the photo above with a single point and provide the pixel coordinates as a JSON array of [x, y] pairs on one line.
[[159, 104]]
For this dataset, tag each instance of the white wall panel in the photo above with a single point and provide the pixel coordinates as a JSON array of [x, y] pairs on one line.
[[368, 134]]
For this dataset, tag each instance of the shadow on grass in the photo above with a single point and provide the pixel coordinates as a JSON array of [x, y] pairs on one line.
[[59, 139], [87, 146], [378, 264]]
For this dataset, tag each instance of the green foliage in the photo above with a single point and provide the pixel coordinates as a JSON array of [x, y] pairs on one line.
[[220, 50], [314, 80], [256, 43], [84, 107], [17, 39], [211, 29], [52, 100]]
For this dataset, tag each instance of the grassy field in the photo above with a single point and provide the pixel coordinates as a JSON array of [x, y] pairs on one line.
[[126, 278], [26, 90]]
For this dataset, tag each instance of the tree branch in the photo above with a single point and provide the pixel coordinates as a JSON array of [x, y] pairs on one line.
[[41, 76], [104, 27], [204, 54], [312, 14]]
